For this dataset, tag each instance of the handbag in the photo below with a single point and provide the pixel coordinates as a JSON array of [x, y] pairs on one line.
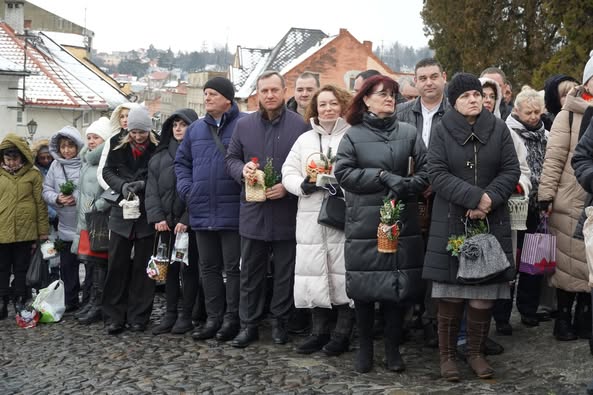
[[97, 223], [538, 255], [333, 209], [85, 251], [481, 258], [38, 271], [111, 196]]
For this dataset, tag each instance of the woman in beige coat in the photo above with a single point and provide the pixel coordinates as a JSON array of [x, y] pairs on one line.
[[561, 197]]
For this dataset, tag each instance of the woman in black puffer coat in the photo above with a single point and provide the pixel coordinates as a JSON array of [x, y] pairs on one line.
[[168, 214], [373, 163]]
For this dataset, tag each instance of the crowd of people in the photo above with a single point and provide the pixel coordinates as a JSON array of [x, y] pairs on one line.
[[451, 151]]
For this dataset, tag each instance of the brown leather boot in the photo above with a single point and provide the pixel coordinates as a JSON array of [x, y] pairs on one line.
[[478, 326], [449, 318]]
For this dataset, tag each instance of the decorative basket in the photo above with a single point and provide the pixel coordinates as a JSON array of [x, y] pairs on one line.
[[319, 168], [518, 205], [162, 268], [385, 245], [257, 191]]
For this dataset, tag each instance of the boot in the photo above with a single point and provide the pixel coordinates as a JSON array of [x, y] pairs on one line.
[[95, 312], [313, 344], [337, 345], [4, 309], [449, 320], [582, 316], [84, 309], [182, 325], [563, 330], [478, 326], [392, 337], [166, 323], [230, 328], [364, 320]]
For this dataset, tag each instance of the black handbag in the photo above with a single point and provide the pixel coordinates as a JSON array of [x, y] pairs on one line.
[[111, 196], [97, 223], [38, 272], [333, 210]]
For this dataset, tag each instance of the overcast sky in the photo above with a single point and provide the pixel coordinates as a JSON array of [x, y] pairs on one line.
[[188, 25]]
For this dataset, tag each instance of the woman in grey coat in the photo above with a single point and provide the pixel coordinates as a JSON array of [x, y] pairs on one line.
[[65, 146], [473, 168], [373, 162]]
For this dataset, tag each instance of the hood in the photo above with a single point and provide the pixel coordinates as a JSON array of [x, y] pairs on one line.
[[114, 119], [67, 131], [187, 114], [340, 127], [483, 81], [12, 140], [37, 145], [575, 102], [551, 98]]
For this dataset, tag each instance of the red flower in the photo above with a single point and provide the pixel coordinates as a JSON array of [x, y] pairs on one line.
[[519, 189]]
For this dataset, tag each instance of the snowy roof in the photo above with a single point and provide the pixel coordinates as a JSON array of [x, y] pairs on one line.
[[252, 62], [58, 79], [10, 67], [300, 59], [67, 39]]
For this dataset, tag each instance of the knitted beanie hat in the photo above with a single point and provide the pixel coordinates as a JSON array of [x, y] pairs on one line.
[[222, 86], [461, 83], [139, 119], [101, 127]]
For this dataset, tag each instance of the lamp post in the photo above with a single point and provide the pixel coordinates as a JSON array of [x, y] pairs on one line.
[[32, 128]]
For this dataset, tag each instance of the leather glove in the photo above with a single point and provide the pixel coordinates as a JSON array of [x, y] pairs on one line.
[[308, 187], [134, 187], [543, 206]]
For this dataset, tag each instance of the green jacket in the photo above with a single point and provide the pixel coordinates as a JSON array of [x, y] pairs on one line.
[[23, 213]]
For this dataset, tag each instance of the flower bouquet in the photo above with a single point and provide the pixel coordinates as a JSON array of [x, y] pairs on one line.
[[67, 188], [390, 226]]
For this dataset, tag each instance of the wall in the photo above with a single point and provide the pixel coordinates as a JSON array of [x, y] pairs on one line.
[[8, 98]]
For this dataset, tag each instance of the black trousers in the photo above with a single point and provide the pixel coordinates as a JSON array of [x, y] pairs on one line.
[[254, 268], [129, 292], [190, 278], [528, 292], [14, 259], [69, 272], [220, 251]]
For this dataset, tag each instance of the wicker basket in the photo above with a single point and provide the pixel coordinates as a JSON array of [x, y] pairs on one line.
[[162, 267], [518, 211], [257, 191], [319, 168], [385, 245]]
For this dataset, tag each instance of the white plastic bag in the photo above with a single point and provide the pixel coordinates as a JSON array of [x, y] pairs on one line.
[[180, 250], [50, 302], [48, 250], [588, 236]]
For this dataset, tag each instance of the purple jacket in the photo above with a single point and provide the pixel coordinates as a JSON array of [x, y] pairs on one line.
[[255, 136]]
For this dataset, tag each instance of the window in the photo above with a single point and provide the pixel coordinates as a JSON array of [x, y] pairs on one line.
[[86, 118], [19, 116]]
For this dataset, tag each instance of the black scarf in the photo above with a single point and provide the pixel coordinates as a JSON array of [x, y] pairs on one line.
[[379, 124], [535, 140]]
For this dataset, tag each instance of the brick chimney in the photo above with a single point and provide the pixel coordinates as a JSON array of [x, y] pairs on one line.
[[14, 14], [368, 44]]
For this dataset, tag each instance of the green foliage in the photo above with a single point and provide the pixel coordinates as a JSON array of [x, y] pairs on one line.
[[519, 36], [67, 188], [473, 228], [390, 211], [271, 177]]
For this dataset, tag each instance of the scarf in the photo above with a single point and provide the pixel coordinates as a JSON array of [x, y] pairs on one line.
[[12, 170], [379, 124], [535, 141], [138, 149]]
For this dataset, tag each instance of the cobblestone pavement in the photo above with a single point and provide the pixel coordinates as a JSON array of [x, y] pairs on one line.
[[68, 358]]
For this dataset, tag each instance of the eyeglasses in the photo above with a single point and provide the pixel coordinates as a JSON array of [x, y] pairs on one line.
[[384, 94]]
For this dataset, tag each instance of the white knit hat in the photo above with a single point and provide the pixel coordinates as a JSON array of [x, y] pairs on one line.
[[588, 72], [101, 127]]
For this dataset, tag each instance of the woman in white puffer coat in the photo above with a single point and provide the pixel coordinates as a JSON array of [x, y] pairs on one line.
[[320, 269]]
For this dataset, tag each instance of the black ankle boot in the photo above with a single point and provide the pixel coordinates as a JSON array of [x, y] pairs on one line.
[[563, 330], [95, 314], [582, 316], [337, 345]]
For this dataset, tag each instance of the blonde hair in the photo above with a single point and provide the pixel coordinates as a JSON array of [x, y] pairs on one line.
[[126, 139], [529, 96], [565, 86]]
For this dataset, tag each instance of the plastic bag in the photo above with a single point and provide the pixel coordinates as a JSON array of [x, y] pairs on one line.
[[38, 272], [48, 249], [180, 249], [131, 207], [50, 302], [27, 318]]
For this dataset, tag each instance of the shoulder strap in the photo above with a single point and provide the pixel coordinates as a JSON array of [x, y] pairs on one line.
[[214, 132], [570, 118], [64, 171]]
